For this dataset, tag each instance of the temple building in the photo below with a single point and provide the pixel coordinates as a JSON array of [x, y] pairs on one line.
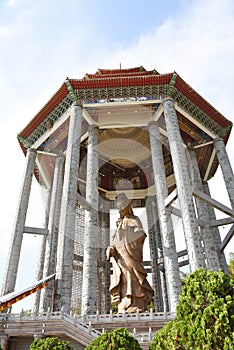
[[149, 135]]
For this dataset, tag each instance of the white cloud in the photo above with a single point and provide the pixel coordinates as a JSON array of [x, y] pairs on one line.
[[198, 45], [3, 30], [11, 2]]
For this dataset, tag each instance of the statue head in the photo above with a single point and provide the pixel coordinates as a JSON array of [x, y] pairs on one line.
[[123, 202]]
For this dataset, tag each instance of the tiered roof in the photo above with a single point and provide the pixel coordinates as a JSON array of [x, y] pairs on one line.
[[135, 84], [107, 83]]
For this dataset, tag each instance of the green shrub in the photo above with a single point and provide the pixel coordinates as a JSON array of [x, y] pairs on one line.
[[204, 315], [117, 339], [50, 343]]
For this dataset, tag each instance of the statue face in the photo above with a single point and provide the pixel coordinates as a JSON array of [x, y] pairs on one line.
[[122, 202]]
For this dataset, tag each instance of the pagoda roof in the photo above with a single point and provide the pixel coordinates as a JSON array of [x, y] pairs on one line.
[[132, 90], [108, 83]]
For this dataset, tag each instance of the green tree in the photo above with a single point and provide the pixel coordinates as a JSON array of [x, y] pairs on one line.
[[117, 339], [231, 265], [50, 343], [204, 316]]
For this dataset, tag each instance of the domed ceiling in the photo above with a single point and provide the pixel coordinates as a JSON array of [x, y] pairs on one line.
[[125, 147]]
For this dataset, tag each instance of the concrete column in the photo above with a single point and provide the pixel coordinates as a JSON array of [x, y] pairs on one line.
[[4, 341], [191, 231], [103, 273], [202, 210], [65, 252], [215, 231], [41, 257], [156, 256], [153, 257], [168, 240], [89, 298], [53, 228], [9, 279], [225, 167]]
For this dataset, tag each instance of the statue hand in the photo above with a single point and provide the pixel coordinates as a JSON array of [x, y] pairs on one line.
[[110, 252]]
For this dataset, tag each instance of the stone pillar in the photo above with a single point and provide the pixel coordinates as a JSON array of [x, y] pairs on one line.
[[103, 273], [89, 298], [168, 240], [215, 231], [18, 230], [41, 257], [191, 232], [65, 252], [156, 256], [225, 167], [53, 228], [202, 210], [4, 341]]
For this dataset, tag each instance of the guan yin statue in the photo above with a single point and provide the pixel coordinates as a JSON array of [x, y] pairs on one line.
[[129, 287]]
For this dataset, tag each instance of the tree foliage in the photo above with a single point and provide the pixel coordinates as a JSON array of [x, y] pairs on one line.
[[231, 265], [117, 339], [205, 315], [50, 343]]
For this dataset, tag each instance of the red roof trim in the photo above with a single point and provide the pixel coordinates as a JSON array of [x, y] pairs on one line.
[[118, 74], [101, 82], [107, 78], [122, 71], [47, 109], [112, 82], [199, 101]]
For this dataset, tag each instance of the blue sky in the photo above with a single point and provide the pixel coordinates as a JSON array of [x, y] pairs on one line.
[[43, 42]]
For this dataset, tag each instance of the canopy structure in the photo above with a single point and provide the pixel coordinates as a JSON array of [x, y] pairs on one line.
[[147, 134], [111, 96]]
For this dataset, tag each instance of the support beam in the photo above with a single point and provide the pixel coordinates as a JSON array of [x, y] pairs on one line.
[[55, 126], [89, 297], [215, 231], [88, 118], [53, 229], [176, 211], [207, 199], [35, 230], [195, 121], [182, 253], [171, 198], [210, 249], [221, 222], [203, 144], [226, 168], [158, 113], [183, 263], [103, 265], [67, 219], [208, 169], [43, 170], [156, 256], [227, 239], [191, 231], [168, 240], [10, 275], [41, 256]]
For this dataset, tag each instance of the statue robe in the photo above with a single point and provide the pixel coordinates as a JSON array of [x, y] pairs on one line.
[[129, 286]]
